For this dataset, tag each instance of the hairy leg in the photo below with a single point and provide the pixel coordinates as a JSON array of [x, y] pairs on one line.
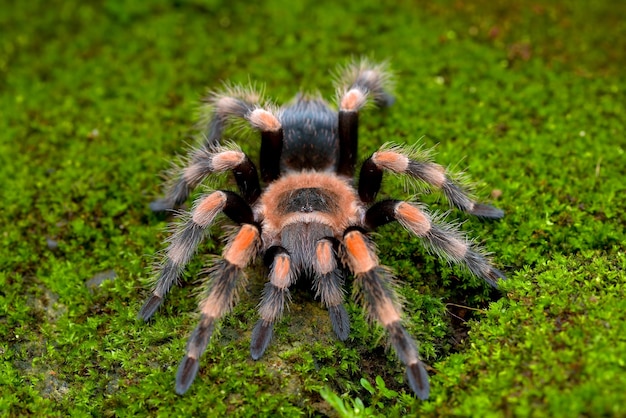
[[417, 165], [233, 103], [188, 236], [225, 278], [275, 297], [359, 83], [444, 239], [374, 288], [328, 285]]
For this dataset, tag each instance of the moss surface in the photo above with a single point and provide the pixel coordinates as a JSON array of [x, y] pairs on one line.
[[97, 97]]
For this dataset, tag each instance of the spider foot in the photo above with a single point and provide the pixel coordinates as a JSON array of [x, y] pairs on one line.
[[161, 205], [486, 211], [196, 345], [150, 307], [186, 374], [261, 336], [418, 380], [340, 321]]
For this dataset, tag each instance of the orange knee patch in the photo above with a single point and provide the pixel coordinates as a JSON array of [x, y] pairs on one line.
[[352, 101], [412, 218], [208, 208], [360, 256], [264, 120], [226, 160], [243, 247], [391, 160], [281, 272], [324, 257]]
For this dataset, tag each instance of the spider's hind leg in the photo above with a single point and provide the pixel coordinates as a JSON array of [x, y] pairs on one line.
[[358, 83]]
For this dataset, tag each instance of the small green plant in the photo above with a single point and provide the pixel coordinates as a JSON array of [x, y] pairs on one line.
[[355, 407]]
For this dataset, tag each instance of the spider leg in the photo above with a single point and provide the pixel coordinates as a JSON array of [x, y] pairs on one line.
[[271, 144], [401, 161], [244, 103], [222, 106], [241, 104], [328, 285], [374, 288], [444, 239], [187, 238], [359, 83], [205, 161], [219, 300], [275, 296]]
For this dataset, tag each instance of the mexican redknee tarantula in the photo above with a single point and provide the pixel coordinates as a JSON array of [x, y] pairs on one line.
[[309, 220]]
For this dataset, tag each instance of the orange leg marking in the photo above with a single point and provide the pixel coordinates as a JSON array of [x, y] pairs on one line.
[[264, 120], [324, 257], [281, 270], [226, 160], [242, 248], [208, 208], [391, 160], [360, 257], [413, 218], [352, 100]]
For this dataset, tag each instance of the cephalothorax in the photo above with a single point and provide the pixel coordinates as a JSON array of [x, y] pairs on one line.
[[310, 220]]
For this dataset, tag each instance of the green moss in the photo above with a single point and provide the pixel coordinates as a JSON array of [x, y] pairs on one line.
[[97, 98]]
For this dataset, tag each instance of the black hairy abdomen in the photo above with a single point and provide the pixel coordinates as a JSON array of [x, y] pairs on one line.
[[310, 136]]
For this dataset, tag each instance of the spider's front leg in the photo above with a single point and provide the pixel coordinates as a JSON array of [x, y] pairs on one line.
[[417, 165], [225, 278], [374, 288], [188, 236]]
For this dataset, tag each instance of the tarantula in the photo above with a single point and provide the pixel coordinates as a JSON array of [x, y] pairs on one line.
[[309, 220]]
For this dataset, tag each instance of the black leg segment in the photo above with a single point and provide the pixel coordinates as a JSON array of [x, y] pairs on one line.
[[370, 179], [247, 180], [271, 150], [380, 214], [348, 141]]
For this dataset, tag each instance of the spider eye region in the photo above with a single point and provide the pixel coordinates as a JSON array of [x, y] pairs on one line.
[[309, 199]]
